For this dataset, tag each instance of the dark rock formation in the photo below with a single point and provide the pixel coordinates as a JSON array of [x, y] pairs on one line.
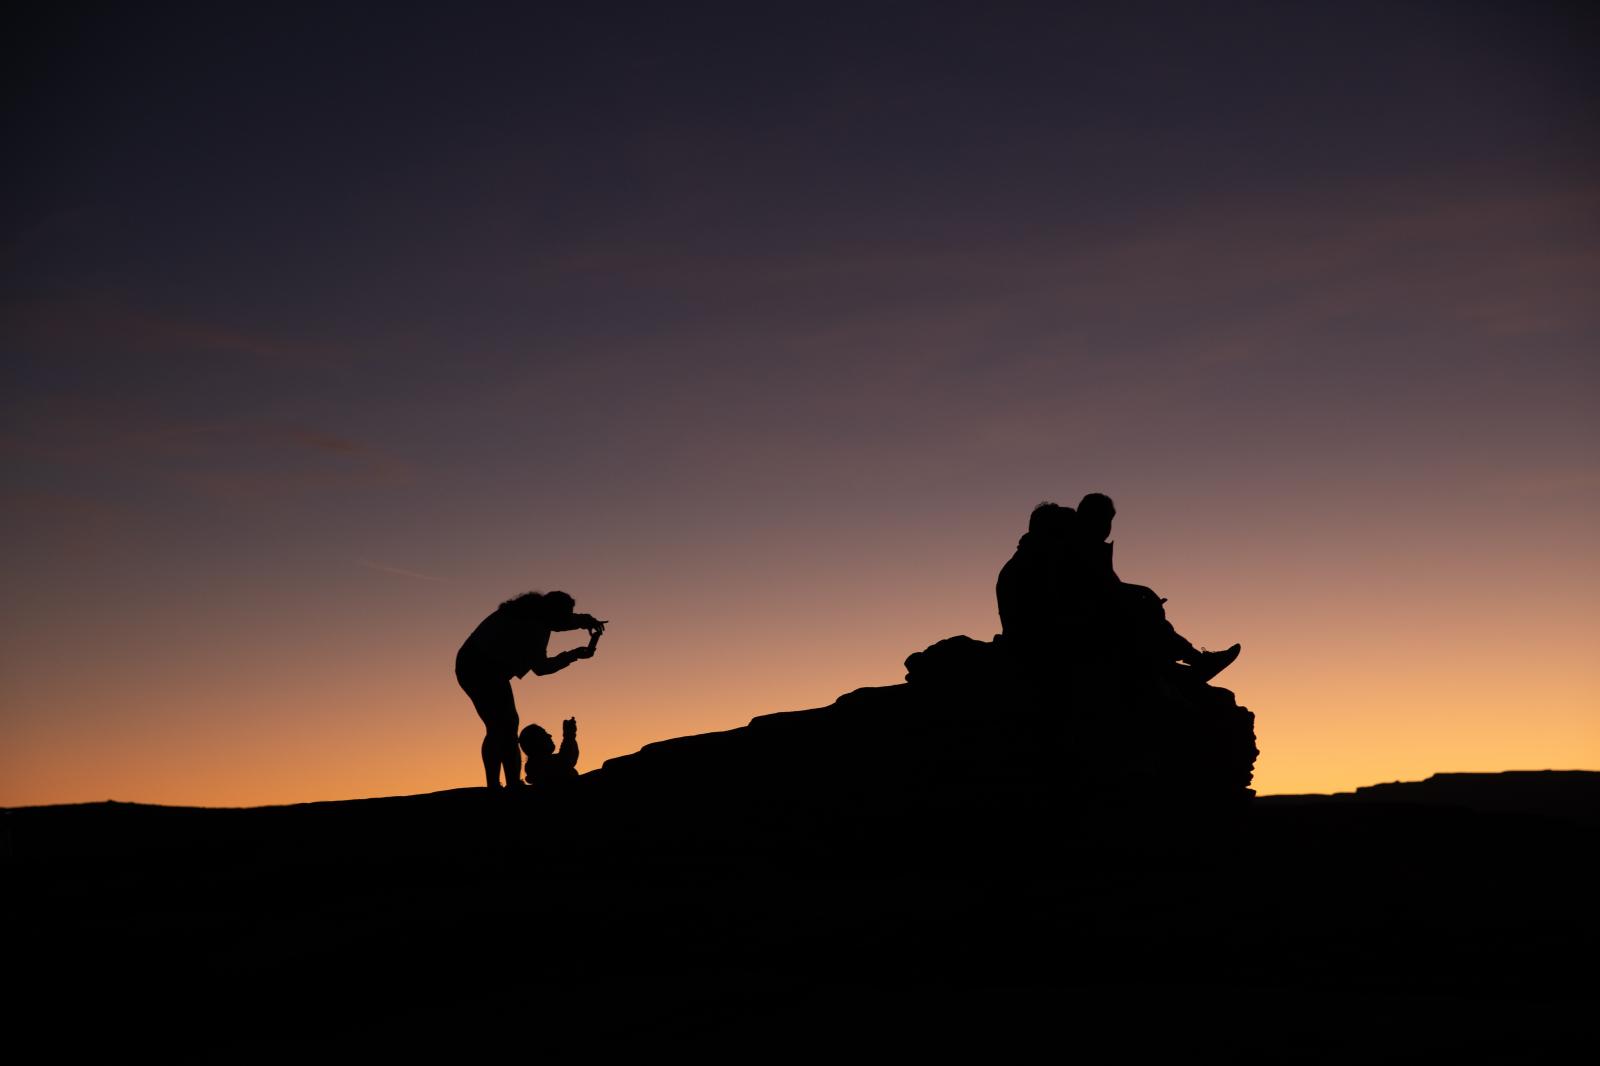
[[972, 736]]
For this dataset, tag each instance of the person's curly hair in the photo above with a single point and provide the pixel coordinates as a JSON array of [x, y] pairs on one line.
[[544, 604]]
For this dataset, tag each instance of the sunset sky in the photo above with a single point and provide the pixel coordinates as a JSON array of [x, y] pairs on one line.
[[760, 328]]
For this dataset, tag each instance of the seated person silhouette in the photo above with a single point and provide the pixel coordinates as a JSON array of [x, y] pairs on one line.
[[507, 644], [1059, 598], [548, 767], [1035, 612], [1137, 610]]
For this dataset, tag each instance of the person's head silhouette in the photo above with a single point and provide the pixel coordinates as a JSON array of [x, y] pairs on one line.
[[558, 606], [536, 741], [1095, 512], [541, 608], [1050, 520]]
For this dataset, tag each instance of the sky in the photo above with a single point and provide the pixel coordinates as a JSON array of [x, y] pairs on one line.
[[760, 328]]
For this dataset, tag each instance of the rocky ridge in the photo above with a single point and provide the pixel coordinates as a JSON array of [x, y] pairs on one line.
[[970, 730]]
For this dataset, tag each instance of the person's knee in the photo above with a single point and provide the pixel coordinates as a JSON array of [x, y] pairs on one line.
[[501, 730]]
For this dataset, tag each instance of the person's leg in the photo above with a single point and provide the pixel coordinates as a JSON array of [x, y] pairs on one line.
[[498, 710], [490, 750], [1148, 620], [510, 754]]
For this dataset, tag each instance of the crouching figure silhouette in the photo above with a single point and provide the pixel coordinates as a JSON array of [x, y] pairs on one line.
[[548, 767]]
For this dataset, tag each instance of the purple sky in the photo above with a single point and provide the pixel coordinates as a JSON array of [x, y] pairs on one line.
[[760, 328]]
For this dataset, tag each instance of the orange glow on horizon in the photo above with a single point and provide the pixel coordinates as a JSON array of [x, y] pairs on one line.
[[1358, 670]]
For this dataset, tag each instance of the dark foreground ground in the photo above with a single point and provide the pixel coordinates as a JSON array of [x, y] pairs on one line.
[[1448, 921]]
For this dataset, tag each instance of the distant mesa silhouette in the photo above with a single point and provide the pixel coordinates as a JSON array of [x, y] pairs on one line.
[[1568, 794], [1088, 696]]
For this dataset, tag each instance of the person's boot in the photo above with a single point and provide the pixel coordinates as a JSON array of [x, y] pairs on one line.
[[1208, 664]]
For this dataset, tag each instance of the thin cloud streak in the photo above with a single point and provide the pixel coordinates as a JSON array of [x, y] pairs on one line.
[[399, 571], [110, 325], [328, 442]]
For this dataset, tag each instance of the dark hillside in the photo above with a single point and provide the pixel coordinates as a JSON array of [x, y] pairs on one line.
[[1303, 932]]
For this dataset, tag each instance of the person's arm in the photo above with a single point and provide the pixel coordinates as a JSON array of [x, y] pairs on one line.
[[567, 757], [580, 621], [551, 663]]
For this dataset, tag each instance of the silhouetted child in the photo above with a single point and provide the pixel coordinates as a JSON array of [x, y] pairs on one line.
[[546, 765]]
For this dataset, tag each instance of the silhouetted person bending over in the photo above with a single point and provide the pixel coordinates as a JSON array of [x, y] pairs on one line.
[[546, 765], [1140, 620], [509, 643]]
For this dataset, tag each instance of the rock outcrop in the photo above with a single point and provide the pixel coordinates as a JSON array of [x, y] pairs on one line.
[[971, 735]]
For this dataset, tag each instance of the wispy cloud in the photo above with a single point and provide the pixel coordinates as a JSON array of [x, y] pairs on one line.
[[327, 442], [81, 525], [111, 325], [231, 458], [1546, 483], [398, 571]]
